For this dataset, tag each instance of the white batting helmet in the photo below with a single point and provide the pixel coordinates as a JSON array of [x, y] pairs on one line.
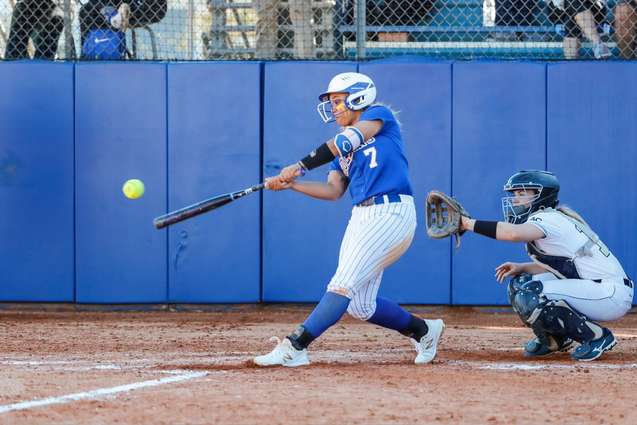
[[359, 87]]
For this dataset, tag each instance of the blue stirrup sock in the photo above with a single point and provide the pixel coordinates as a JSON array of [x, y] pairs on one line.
[[328, 311], [390, 315]]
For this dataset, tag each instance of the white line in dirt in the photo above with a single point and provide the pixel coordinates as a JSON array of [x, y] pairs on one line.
[[99, 392], [107, 367], [622, 335], [538, 367], [36, 363]]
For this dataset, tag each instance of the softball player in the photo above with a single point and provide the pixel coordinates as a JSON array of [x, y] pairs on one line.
[[366, 155], [573, 280]]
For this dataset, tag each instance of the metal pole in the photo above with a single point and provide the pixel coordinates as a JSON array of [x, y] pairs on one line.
[[361, 34], [191, 35], [69, 43]]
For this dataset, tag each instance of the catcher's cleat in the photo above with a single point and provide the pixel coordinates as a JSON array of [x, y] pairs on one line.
[[428, 344], [553, 344], [591, 350], [284, 354]]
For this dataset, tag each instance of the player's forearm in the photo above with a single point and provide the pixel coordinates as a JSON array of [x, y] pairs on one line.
[[318, 190], [533, 268], [500, 230]]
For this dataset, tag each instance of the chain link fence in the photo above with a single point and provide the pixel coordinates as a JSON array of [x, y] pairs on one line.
[[317, 29]]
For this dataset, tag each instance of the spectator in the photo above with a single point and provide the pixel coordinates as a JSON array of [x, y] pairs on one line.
[[40, 20], [267, 28], [302, 17], [103, 23], [580, 17], [626, 28]]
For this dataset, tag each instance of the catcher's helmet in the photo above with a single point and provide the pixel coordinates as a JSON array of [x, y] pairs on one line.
[[543, 182], [360, 89]]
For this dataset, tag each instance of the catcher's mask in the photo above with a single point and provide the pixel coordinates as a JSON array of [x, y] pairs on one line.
[[544, 183], [360, 89]]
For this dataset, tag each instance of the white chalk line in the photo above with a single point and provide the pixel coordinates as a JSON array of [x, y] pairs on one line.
[[88, 395], [539, 367], [37, 362]]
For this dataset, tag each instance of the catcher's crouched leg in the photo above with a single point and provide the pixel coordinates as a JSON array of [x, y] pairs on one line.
[[514, 285], [551, 323]]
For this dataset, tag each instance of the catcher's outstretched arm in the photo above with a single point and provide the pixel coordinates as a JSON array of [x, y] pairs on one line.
[[524, 232]]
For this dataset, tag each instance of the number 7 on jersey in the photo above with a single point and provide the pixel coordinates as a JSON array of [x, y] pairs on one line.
[[371, 151]]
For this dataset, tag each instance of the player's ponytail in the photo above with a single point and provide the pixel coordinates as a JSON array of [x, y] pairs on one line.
[[564, 209], [391, 109]]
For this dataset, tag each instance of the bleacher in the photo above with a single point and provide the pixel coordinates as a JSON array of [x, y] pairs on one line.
[[457, 30]]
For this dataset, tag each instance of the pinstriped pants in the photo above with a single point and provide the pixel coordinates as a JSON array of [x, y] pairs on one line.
[[376, 237]]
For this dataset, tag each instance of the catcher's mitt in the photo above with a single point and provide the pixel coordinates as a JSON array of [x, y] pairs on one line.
[[443, 216]]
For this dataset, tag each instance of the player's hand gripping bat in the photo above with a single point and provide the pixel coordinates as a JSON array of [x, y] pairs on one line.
[[202, 207]]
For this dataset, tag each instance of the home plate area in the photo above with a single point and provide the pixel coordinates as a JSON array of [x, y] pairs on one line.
[[194, 366]]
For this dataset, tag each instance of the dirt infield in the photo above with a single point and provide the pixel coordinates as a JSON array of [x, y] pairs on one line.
[[193, 367]]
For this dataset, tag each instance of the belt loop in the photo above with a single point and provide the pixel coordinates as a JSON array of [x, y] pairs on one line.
[[385, 199]]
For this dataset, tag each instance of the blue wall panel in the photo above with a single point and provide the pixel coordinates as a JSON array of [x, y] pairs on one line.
[[193, 130], [421, 92], [36, 182], [120, 120], [592, 147], [214, 148], [498, 129], [301, 236]]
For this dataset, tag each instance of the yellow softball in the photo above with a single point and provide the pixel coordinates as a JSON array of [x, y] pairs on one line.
[[133, 189]]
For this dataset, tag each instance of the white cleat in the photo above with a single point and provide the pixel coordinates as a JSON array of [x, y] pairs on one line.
[[284, 354], [428, 344]]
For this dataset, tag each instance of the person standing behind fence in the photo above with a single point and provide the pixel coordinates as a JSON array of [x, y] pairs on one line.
[[626, 28], [580, 17], [39, 19], [267, 28], [118, 15], [302, 18]]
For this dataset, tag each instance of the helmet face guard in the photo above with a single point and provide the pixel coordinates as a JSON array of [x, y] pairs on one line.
[[515, 209], [360, 90], [325, 111], [518, 209]]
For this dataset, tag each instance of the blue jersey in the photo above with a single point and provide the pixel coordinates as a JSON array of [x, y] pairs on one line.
[[378, 166]]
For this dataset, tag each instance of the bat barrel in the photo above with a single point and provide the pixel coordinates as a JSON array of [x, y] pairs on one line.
[[201, 207], [191, 211], [164, 221]]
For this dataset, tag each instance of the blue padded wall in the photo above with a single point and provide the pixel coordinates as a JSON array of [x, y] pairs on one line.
[[301, 235], [120, 119], [498, 129], [190, 131], [214, 148], [592, 148], [421, 92], [36, 181]]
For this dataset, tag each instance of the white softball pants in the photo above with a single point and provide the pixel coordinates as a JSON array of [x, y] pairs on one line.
[[376, 237], [609, 299]]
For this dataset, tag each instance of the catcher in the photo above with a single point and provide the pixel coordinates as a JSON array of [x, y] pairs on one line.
[[573, 279]]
